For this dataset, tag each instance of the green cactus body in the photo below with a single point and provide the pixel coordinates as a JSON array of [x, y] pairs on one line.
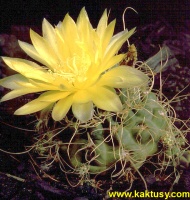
[[129, 138]]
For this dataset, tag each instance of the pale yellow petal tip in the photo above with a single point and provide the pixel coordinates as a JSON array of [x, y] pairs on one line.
[[131, 32], [8, 60], [2, 100], [67, 16], [20, 43], [133, 29], [32, 34], [82, 14], [5, 98], [83, 9], [17, 112], [31, 31], [21, 111], [83, 112], [5, 58], [45, 21]]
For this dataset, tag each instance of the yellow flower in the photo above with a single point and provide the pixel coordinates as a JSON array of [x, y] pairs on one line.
[[77, 69]]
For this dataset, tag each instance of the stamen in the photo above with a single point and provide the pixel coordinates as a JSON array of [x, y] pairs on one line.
[[74, 68]]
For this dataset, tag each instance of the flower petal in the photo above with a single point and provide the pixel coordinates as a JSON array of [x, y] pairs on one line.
[[105, 99], [102, 25], [32, 107], [53, 40], [84, 111], [104, 66], [70, 32], [49, 33], [28, 69], [61, 108], [81, 96], [11, 82], [39, 84], [108, 35], [31, 51], [113, 61], [116, 43], [84, 27], [19, 92], [53, 96], [44, 49], [62, 47], [123, 77]]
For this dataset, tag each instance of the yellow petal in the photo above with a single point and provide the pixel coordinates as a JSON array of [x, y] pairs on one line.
[[70, 32], [110, 63], [105, 99], [104, 66], [48, 33], [39, 84], [84, 27], [102, 25], [44, 49], [53, 96], [31, 51], [116, 42], [84, 111], [28, 69], [108, 35], [123, 77], [81, 96], [19, 92], [11, 82], [83, 20], [32, 107], [62, 47], [61, 108]]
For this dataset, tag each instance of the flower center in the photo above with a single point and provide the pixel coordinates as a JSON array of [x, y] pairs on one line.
[[74, 68]]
